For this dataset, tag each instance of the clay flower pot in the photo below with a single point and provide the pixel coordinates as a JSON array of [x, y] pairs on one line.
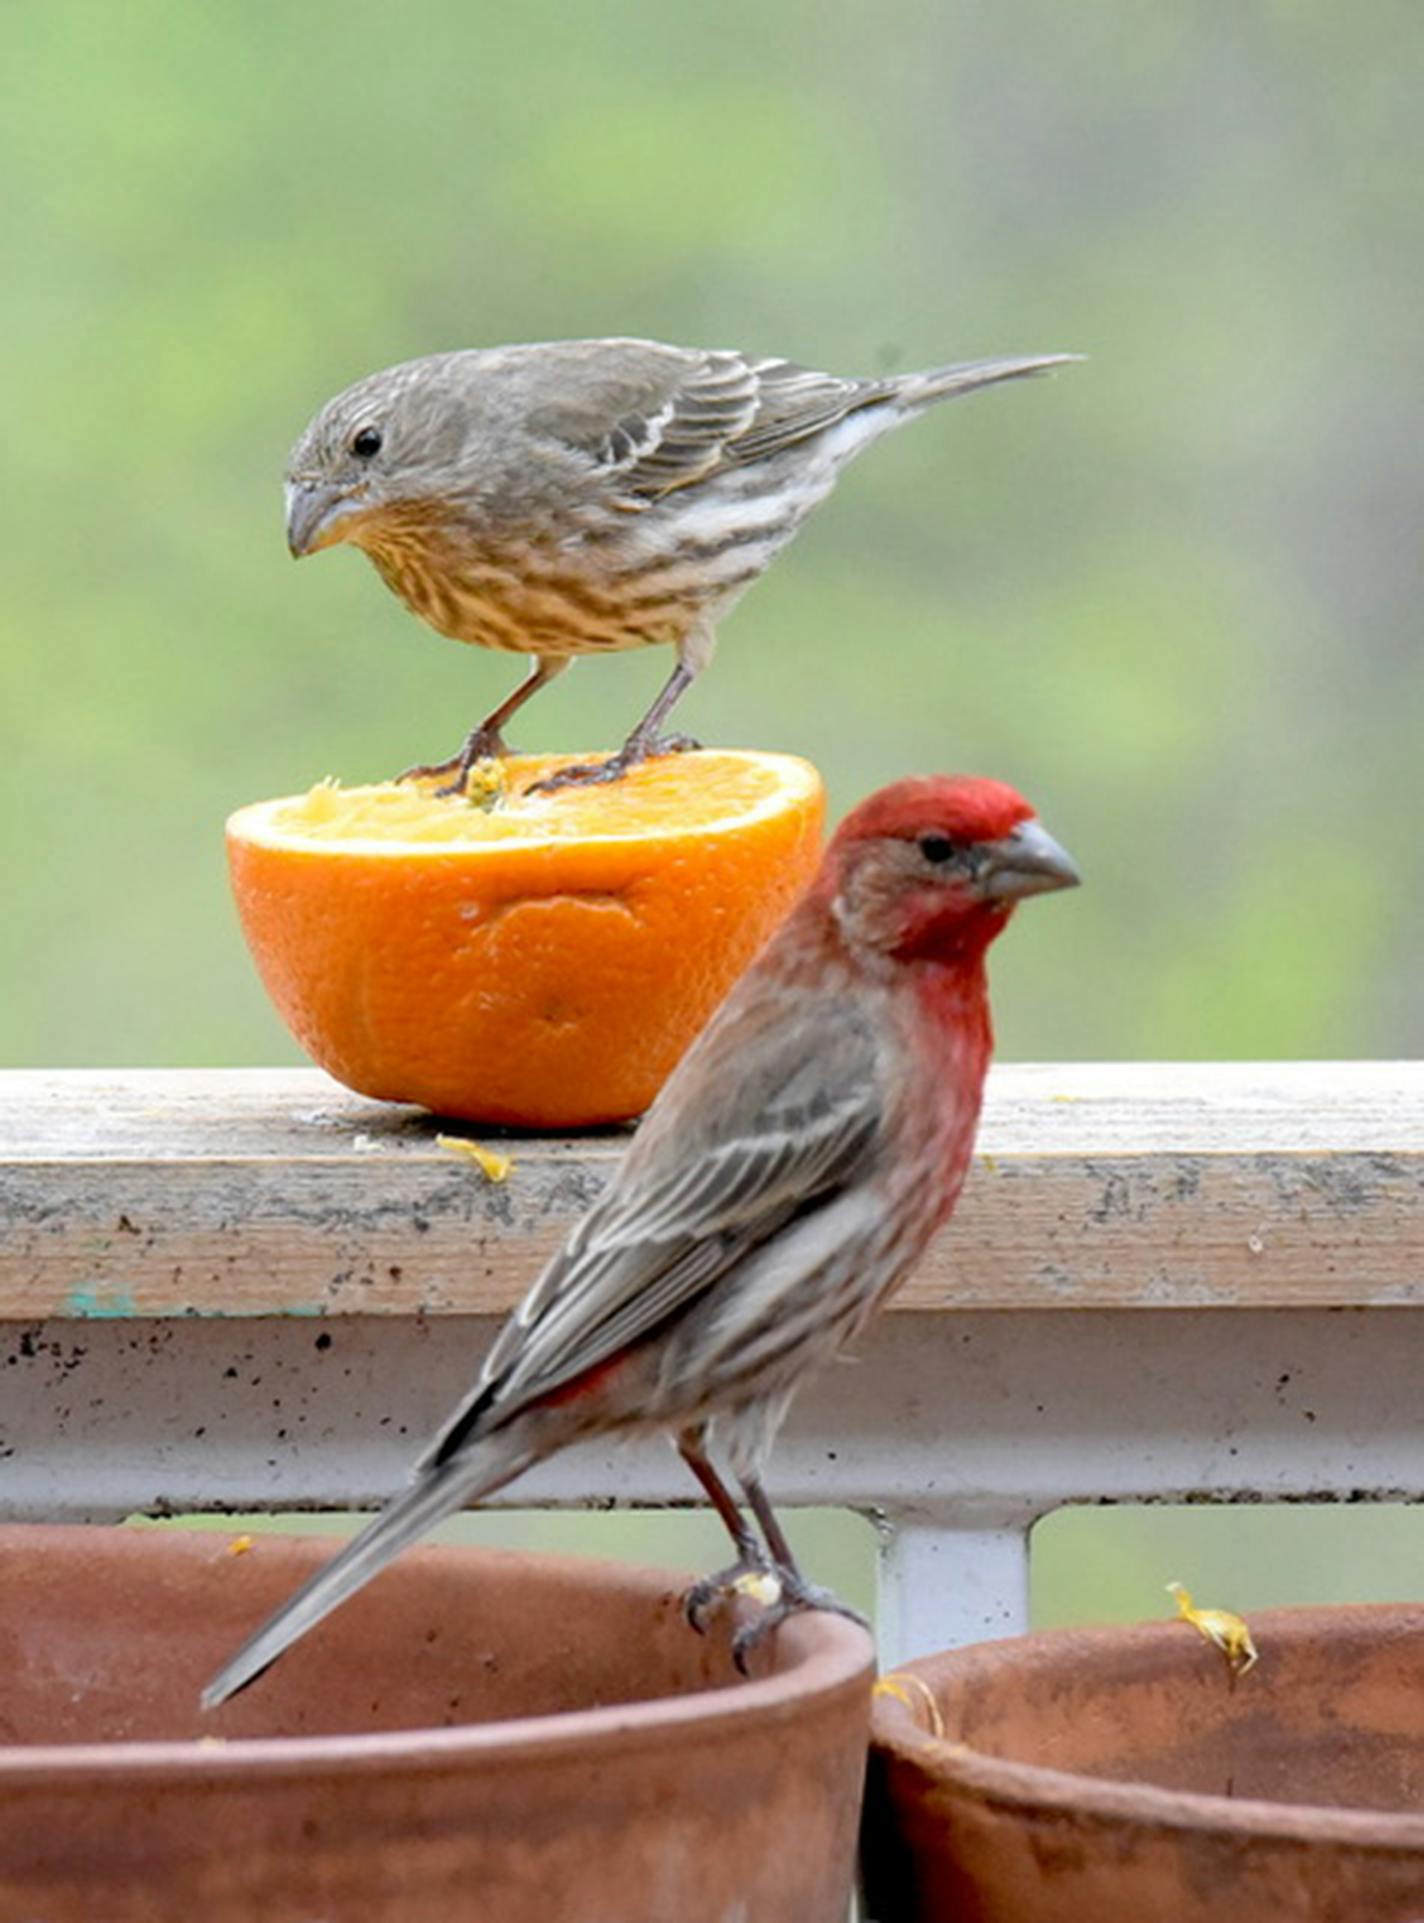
[[476, 1736], [1118, 1776]]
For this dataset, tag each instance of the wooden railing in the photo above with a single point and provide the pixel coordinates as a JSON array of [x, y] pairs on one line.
[[250, 1289]]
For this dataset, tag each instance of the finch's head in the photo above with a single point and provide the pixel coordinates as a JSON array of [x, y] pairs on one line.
[[930, 868], [394, 440]]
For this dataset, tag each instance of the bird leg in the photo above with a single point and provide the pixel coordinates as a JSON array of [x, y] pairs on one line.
[[486, 742], [796, 1592], [644, 742], [751, 1557]]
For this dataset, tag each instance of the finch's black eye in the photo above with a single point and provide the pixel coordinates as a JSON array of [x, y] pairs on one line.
[[367, 443], [938, 848]]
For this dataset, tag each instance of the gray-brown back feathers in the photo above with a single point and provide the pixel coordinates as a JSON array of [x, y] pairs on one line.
[[646, 417]]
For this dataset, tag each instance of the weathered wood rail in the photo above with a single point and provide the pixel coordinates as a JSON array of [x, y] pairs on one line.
[[1241, 1248]]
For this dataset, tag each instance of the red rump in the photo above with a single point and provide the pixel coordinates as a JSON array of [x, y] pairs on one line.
[[585, 1384]]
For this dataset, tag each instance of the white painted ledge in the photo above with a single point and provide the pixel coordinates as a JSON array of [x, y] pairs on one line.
[[1145, 1185], [168, 1242]]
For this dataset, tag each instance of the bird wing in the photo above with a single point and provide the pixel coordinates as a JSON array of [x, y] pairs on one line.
[[782, 1118], [658, 419]]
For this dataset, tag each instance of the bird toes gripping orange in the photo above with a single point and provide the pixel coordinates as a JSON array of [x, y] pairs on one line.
[[533, 959]]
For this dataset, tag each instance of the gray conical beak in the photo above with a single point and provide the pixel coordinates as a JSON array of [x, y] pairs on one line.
[[1027, 862], [316, 515]]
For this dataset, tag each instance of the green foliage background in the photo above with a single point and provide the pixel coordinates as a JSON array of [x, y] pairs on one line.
[[1172, 593]]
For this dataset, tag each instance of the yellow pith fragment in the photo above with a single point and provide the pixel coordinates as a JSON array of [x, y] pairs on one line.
[[1221, 1627], [487, 784], [916, 1695], [758, 1586], [494, 1167], [239, 1545]]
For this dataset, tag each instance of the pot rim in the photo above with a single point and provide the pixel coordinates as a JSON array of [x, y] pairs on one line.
[[896, 1731], [828, 1656]]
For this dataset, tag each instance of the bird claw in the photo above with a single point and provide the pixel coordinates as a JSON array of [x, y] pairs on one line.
[[745, 1577], [587, 774], [796, 1595], [425, 770], [481, 744], [782, 1592], [584, 774]]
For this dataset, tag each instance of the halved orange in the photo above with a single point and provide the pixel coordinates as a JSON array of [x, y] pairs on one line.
[[541, 960]]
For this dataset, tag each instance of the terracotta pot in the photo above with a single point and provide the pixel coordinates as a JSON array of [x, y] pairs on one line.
[[1097, 1776], [476, 1736]]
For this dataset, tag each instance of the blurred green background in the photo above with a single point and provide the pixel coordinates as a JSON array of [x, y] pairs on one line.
[[1171, 593]]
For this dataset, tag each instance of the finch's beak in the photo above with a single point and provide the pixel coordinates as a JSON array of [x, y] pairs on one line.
[[317, 514], [1027, 862]]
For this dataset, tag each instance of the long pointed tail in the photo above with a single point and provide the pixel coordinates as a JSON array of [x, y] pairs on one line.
[[438, 1493], [944, 383]]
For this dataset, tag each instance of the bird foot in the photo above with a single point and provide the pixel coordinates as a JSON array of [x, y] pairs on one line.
[[481, 744], [751, 1575], [796, 1595], [587, 774]]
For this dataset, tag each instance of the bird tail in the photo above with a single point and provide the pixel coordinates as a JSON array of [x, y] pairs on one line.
[[438, 1492], [946, 383]]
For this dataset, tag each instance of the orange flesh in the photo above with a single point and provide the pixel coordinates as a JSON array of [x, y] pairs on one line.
[[541, 960]]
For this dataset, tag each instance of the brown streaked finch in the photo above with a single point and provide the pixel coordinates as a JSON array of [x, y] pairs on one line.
[[575, 497], [785, 1181]]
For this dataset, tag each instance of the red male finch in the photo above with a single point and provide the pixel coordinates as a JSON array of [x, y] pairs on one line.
[[785, 1181], [568, 498]]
